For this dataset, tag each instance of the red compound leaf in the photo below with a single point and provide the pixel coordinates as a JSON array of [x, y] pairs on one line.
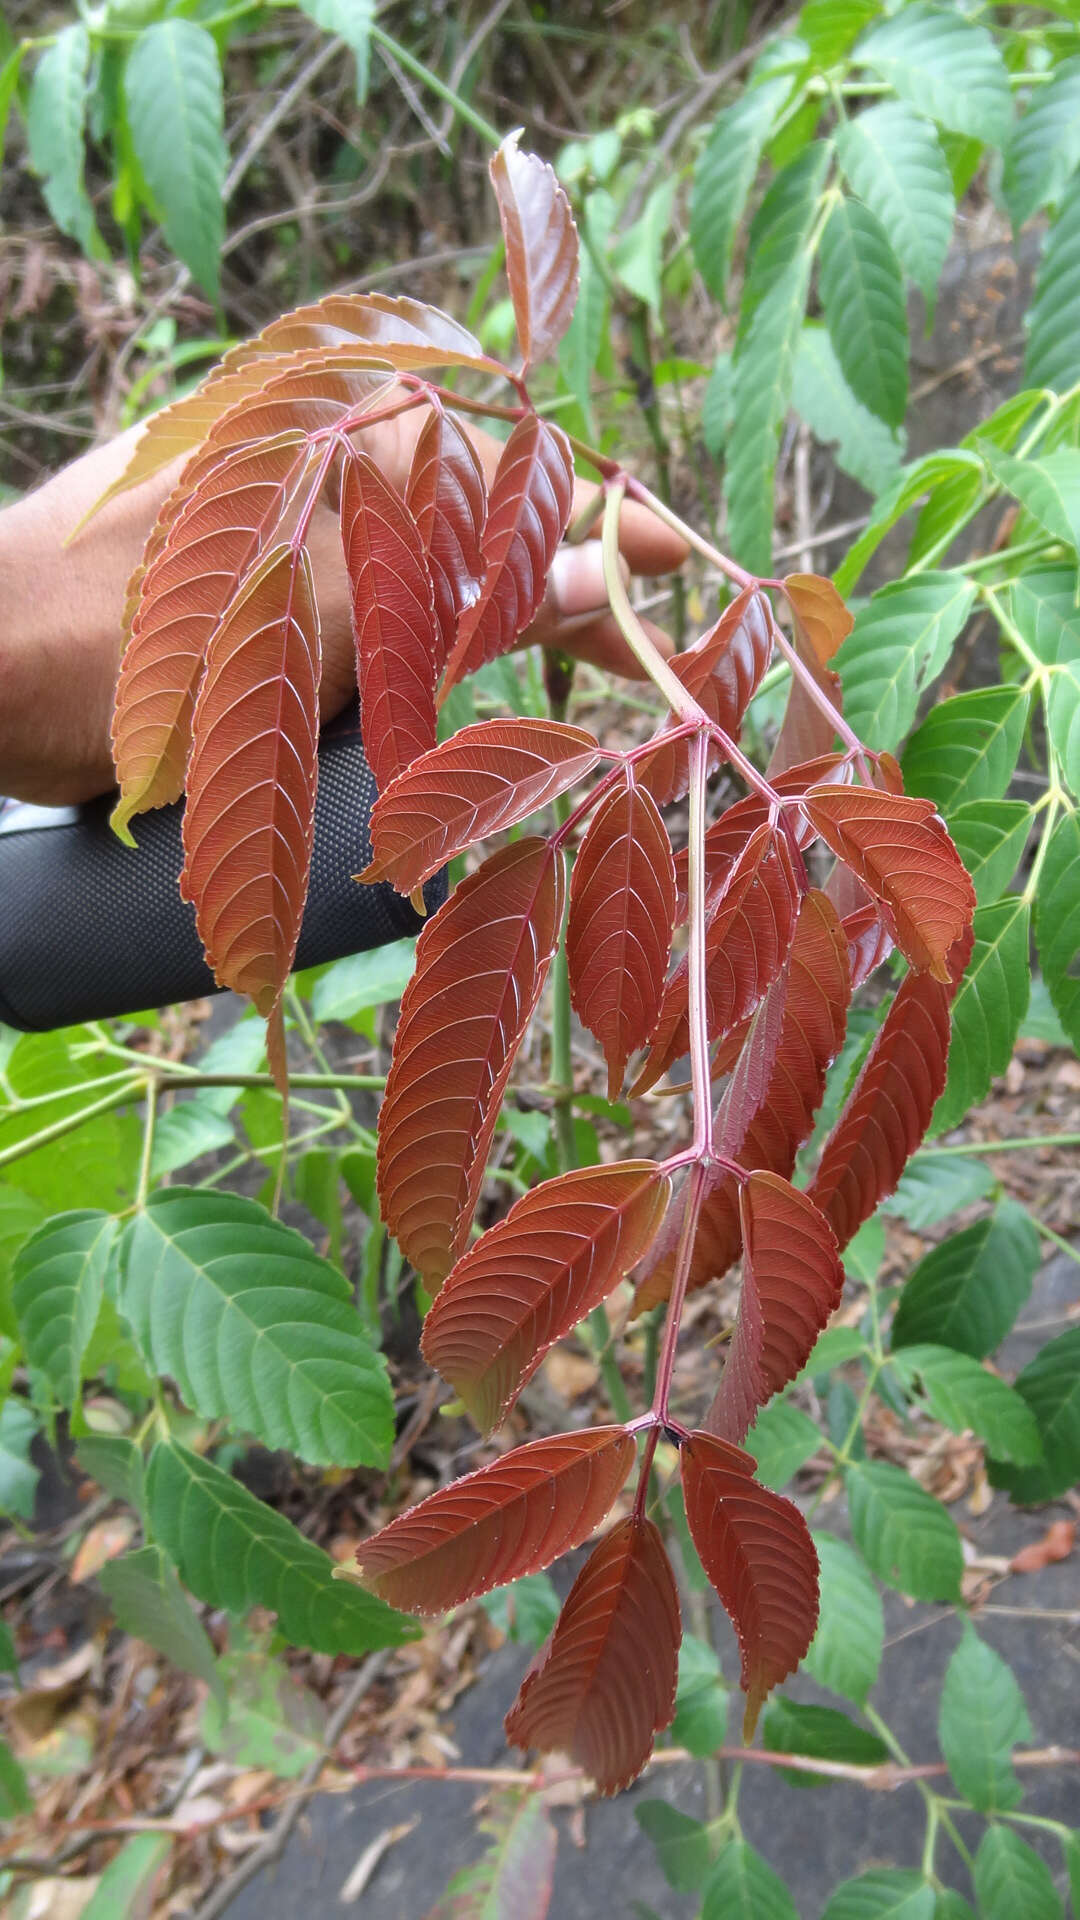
[[513, 1517], [618, 938], [393, 612], [369, 319], [822, 621], [480, 966], [528, 510], [768, 1109], [727, 837], [251, 784], [756, 1548], [541, 248], [484, 779], [604, 1685], [722, 670], [531, 1278], [792, 1282], [447, 498], [899, 848], [746, 944], [188, 582]]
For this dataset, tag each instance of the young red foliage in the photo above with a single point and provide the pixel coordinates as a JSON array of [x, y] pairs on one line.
[[727, 837], [375, 319], [513, 1517], [604, 1685], [541, 248], [899, 847], [447, 498], [756, 1548], [822, 621], [251, 794], [618, 934], [722, 670], [480, 965], [791, 1285], [183, 594], [486, 778], [393, 613], [314, 396], [528, 511], [532, 1277]]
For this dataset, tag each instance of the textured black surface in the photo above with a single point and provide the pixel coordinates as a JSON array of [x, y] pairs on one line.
[[89, 928]]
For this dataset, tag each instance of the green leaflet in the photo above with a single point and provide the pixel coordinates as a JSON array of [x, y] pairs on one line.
[[149, 1602], [1045, 146], [638, 256], [990, 837], [967, 1291], [864, 446], [919, 478], [892, 159], [55, 120], [1011, 1879], [781, 1440], [1048, 488], [364, 980], [988, 1008], [579, 348], [701, 1703], [885, 1893], [184, 1134], [175, 107], [822, 1733], [1053, 319], [351, 20], [19, 1215], [1063, 721], [682, 1844], [59, 1281], [725, 173], [1051, 1386], [862, 295], [261, 1716], [253, 1325], [845, 1653], [764, 370], [99, 1159], [14, 1792], [945, 67], [901, 641], [953, 503], [235, 1552], [18, 1476], [780, 230], [967, 747], [933, 1186], [742, 1886], [981, 1718], [1057, 923], [830, 26], [525, 1610], [905, 1535], [961, 1394], [128, 1882], [115, 1463]]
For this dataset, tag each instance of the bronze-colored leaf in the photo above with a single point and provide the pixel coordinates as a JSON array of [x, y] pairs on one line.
[[393, 610], [541, 248]]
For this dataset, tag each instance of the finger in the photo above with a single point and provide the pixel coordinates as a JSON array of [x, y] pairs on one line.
[[646, 544], [599, 642]]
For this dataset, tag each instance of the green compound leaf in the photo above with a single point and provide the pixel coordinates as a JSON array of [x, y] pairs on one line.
[[990, 837], [55, 118], [1044, 150], [981, 1718], [862, 295], [967, 747], [885, 1893], [987, 1010], [901, 641], [682, 1844], [701, 1702], [944, 67], [149, 1602], [905, 1535], [1057, 923], [781, 1440], [892, 158], [1011, 1879], [967, 1291], [724, 175], [175, 105], [823, 1733], [935, 1185], [1051, 1386], [845, 1653], [781, 229], [59, 1280], [962, 1395], [1048, 488], [742, 1886], [1053, 319], [764, 371], [912, 484], [255, 1327], [233, 1551], [864, 446]]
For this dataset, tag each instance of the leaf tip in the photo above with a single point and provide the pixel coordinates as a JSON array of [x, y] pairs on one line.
[[119, 817]]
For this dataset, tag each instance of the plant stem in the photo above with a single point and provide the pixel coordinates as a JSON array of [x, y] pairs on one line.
[[438, 87], [72, 1120], [143, 1187]]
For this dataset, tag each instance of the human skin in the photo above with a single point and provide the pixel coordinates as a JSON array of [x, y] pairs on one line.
[[61, 606]]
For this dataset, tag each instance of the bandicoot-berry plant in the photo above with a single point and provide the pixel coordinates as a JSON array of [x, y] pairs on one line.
[[783, 906]]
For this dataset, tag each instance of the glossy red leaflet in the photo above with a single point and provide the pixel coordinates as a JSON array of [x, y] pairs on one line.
[[513, 1517], [483, 780], [541, 248], [618, 936], [756, 1548], [604, 1685], [722, 671], [393, 613], [534, 1275], [447, 498], [822, 621], [898, 846]]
